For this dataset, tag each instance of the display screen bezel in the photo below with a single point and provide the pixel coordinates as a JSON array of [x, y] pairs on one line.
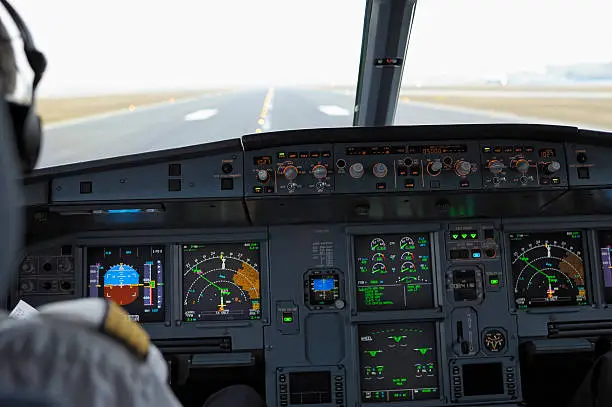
[[433, 253], [542, 229], [168, 291], [260, 254], [440, 357]]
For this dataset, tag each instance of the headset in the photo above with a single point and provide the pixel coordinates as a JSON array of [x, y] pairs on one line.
[[20, 133], [26, 122]]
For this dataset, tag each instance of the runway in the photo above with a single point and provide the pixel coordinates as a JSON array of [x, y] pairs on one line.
[[224, 116]]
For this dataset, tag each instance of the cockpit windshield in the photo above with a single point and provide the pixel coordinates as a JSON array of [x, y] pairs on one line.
[[515, 61], [138, 76]]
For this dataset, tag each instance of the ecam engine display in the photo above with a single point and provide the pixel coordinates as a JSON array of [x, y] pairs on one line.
[[393, 272]]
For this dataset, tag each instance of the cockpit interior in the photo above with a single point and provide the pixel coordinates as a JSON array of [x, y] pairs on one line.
[[431, 265], [440, 265]]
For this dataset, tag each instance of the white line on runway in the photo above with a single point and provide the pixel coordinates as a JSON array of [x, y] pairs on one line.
[[122, 112], [201, 115], [334, 110], [267, 123]]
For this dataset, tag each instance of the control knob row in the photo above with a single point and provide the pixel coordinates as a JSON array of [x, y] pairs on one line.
[[379, 170], [291, 172]]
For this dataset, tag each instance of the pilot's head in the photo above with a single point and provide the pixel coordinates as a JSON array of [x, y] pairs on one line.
[[21, 69]]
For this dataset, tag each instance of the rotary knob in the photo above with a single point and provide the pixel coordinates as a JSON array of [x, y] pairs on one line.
[[319, 171], [434, 168], [463, 168], [379, 170], [553, 167], [356, 170], [290, 172], [522, 166], [263, 176], [496, 167]]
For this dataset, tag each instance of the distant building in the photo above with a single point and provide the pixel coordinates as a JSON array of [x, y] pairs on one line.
[[582, 72]]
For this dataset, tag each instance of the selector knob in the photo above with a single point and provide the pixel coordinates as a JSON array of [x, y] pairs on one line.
[[522, 166], [379, 170], [434, 168], [263, 176], [463, 168], [356, 170], [319, 171], [496, 167], [290, 172], [553, 167]]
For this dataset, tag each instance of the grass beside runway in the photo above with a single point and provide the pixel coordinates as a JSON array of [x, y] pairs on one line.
[[61, 109], [592, 112]]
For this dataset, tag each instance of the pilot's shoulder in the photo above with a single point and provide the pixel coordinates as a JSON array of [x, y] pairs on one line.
[[105, 317]]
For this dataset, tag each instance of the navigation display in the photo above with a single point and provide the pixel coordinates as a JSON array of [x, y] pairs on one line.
[[605, 250], [548, 269], [393, 272], [398, 362], [221, 282], [131, 276]]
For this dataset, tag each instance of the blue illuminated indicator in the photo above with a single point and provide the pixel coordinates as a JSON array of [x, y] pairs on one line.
[[476, 255], [124, 210], [323, 284]]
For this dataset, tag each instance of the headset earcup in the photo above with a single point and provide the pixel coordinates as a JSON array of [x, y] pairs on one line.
[[11, 201], [28, 134]]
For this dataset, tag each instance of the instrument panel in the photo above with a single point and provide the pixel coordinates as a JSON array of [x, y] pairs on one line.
[[428, 309], [414, 285]]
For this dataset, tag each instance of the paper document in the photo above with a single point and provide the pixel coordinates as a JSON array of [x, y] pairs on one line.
[[23, 310]]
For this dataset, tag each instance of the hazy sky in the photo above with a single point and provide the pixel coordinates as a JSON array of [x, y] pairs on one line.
[[123, 45]]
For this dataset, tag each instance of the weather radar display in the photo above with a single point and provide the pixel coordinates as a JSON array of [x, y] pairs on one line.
[[398, 362], [132, 277], [548, 269], [221, 282]]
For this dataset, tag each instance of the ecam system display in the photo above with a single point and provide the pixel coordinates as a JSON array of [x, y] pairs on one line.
[[393, 272], [131, 276], [548, 269], [398, 362], [221, 282]]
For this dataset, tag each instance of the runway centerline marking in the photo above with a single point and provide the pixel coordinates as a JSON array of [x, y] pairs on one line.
[[203, 114], [334, 110], [263, 121]]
